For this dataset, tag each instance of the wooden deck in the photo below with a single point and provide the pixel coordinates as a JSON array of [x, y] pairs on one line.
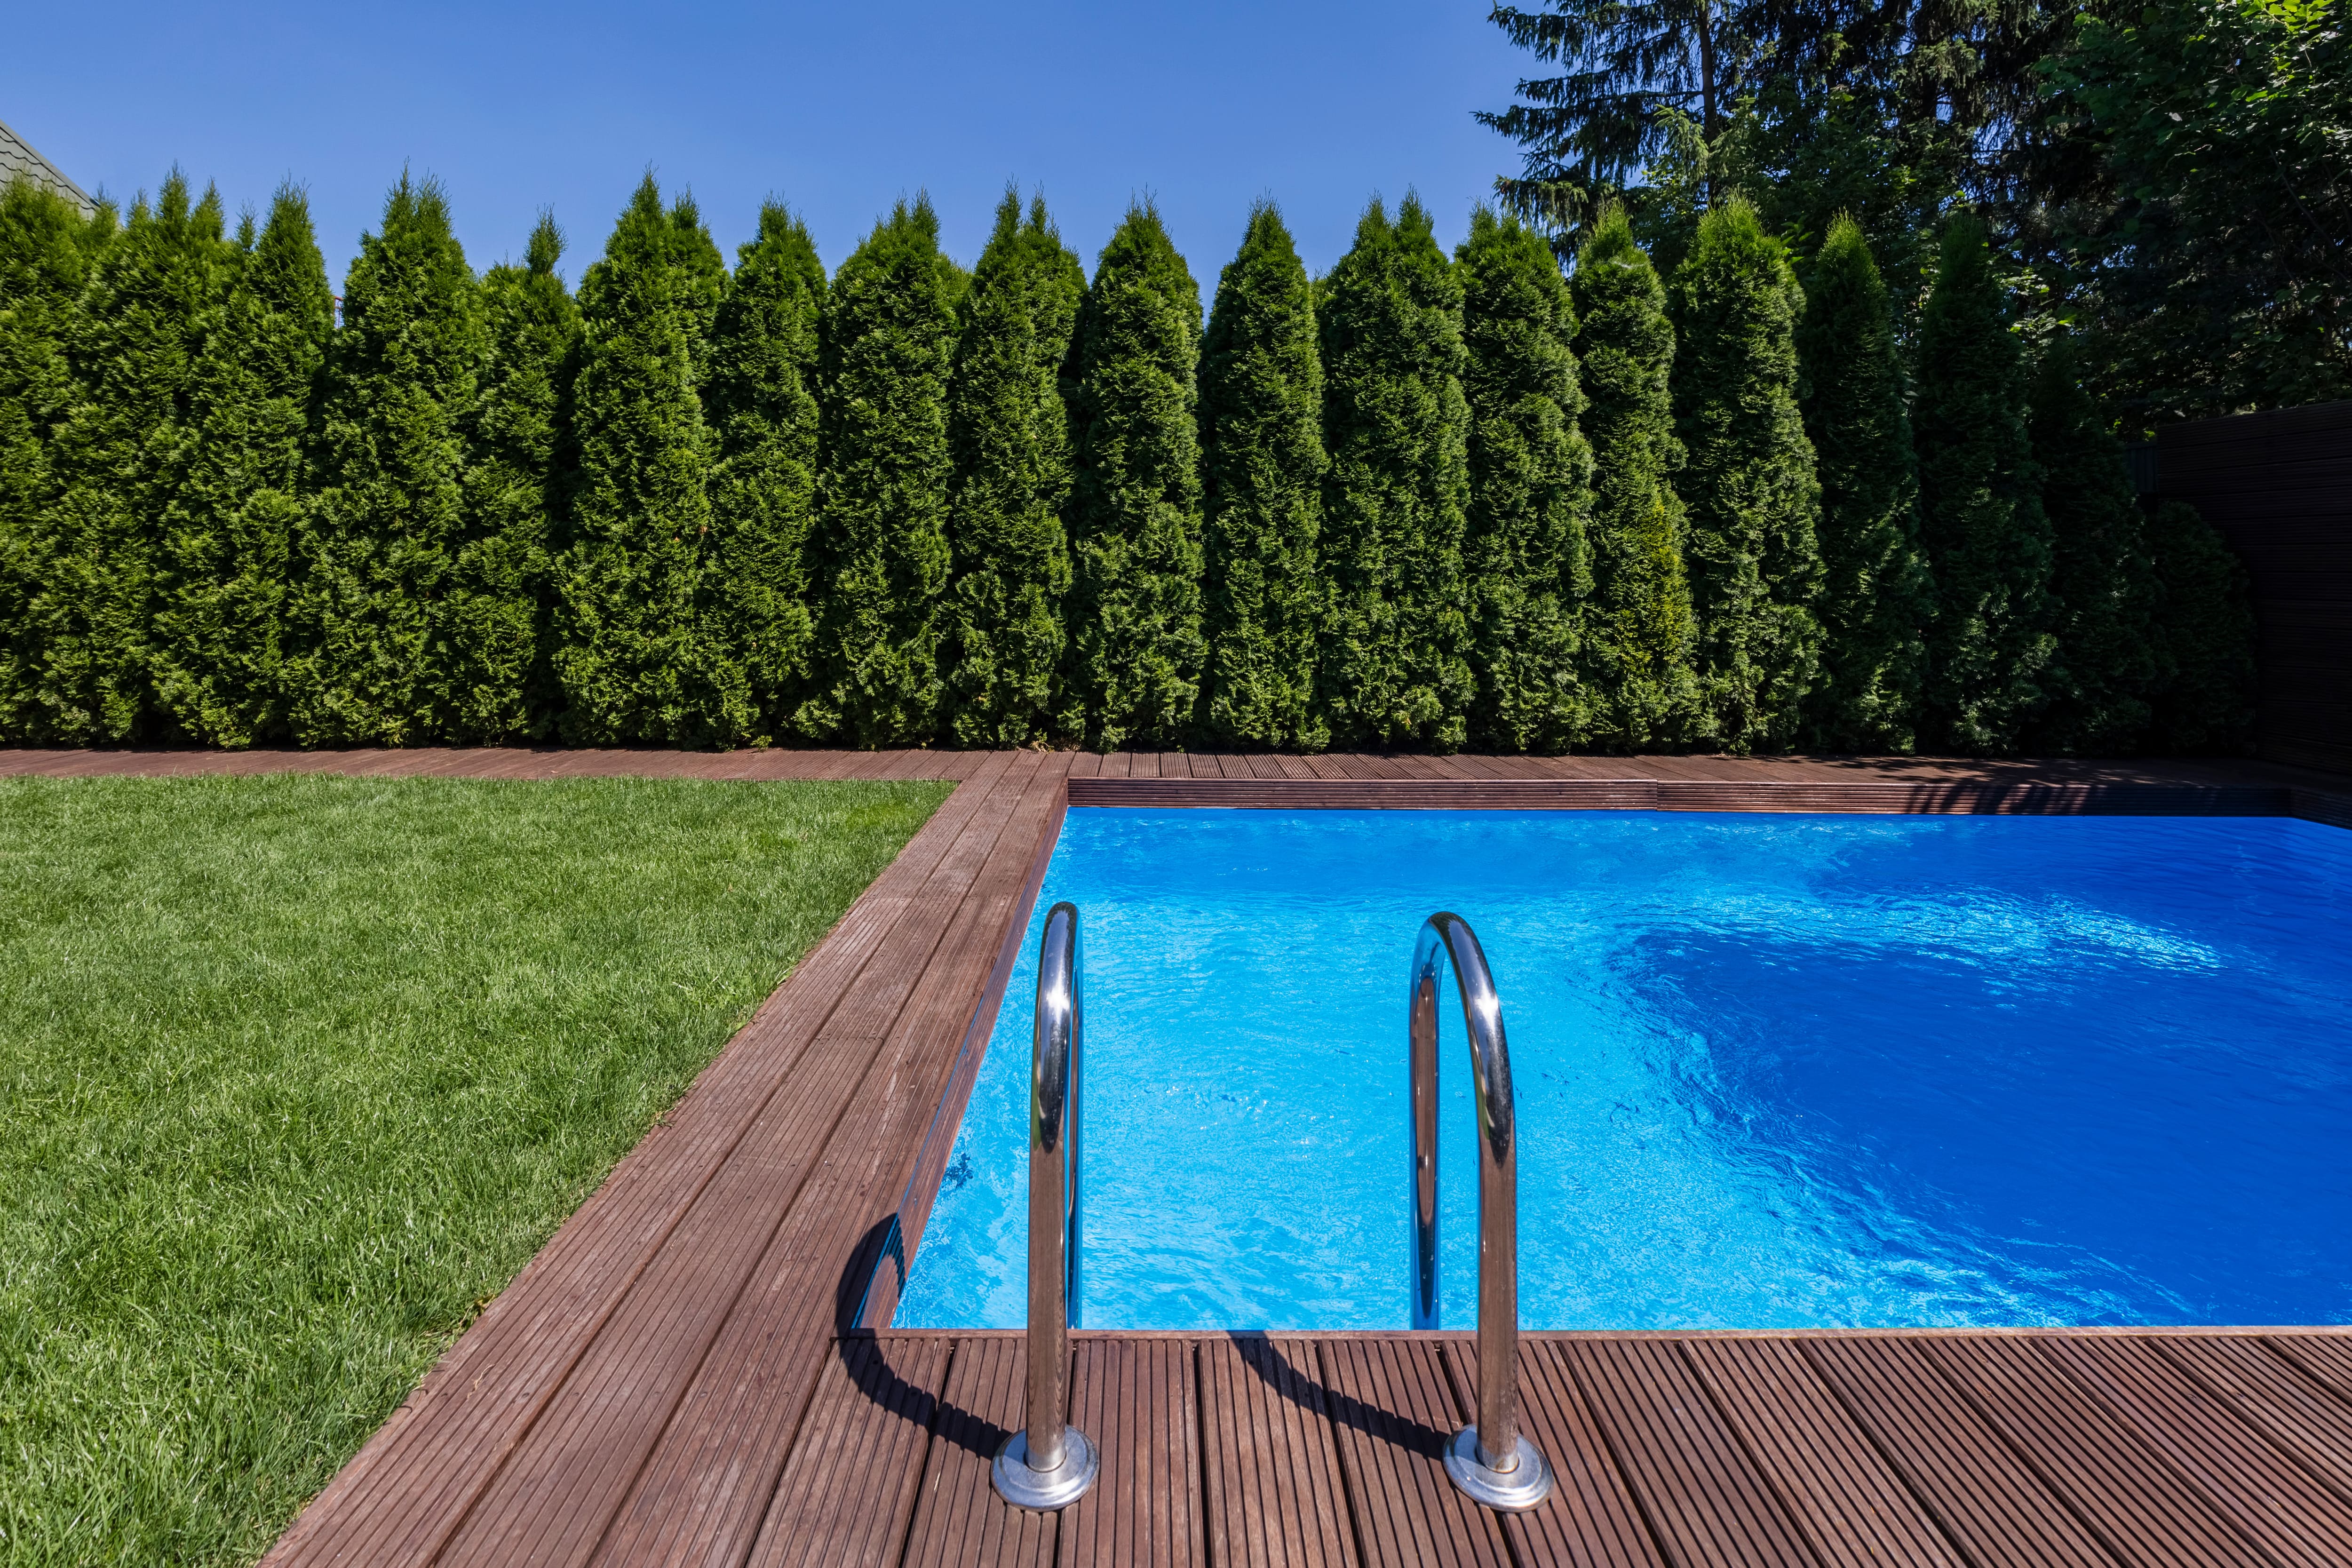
[[686, 1373]]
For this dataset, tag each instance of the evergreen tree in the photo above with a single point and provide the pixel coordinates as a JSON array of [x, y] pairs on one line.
[[1134, 602], [628, 653], [1010, 433], [493, 622], [121, 457], [1262, 469], [889, 350], [1982, 522], [1877, 597], [375, 548], [1751, 497], [221, 595], [47, 249], [1529, 563], [762, 406], [2108, 659], [2205, 621], [1637, 625], [1394, 665]]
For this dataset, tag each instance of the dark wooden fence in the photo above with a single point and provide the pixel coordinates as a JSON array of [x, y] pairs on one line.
[[2279, 487]]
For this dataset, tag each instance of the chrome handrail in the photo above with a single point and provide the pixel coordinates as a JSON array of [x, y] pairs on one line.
[[1050, 1464], [1493, 1461]]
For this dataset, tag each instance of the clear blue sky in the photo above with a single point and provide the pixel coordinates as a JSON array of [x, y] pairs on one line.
[[837, 108]]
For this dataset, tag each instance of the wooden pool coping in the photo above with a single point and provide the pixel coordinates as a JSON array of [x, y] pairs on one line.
[[685, 1373]]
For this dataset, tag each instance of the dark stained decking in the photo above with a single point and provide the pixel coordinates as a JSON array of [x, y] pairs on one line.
[[686, 1373]]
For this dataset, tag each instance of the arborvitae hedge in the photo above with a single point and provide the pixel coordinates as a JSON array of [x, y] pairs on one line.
[[1010, 433], [120, 458], [762, 403], [1876, 598], [47, 249], [1637, 625], [1135, 508], [375, 550], [1748, 488], [629, 655], [228, 545], [1394, 667], [496, 683], [2108, 659], [2206, 622], [1529, 563], [1262, 469], [890, 349], [1987, 539]]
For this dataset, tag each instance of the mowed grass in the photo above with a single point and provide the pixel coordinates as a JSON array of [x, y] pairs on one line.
[[297, 1073]]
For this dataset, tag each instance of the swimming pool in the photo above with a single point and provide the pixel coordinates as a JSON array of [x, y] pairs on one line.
[[1773, 1071]]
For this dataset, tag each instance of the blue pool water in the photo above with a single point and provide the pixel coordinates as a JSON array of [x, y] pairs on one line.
[[1772, 1071]]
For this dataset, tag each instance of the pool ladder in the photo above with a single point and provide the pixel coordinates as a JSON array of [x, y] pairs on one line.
[[1050, 1464]]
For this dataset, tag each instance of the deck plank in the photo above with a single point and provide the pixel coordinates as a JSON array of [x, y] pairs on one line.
[[1854, 1509], [1986, 1498], [2271, 1500], [1136, 1400], [2275, 1397], [2146, 1513], [1700, 1492], [1274, 1496], [1592, 1519], [959, 1522], [1394, 1409], [848, 1490]]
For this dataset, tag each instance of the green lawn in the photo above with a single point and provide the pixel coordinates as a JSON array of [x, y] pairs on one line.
[[295, 1073]]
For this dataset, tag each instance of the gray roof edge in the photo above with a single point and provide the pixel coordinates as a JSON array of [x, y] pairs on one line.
[[57, 175]]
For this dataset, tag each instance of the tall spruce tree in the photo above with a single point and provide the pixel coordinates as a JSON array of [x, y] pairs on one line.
[[2205, 622], [1262, 469], [121, 457], [1530, 563], [2109, 659], [1877, 598], [1394, 666], [629, 653], [1010, 432], [229, 540], [1637, 625], [1136, 649], [375, 548], [46, 249], [1987, 539], [889, 350], [1748, 487], [762, 405], [492, 625]]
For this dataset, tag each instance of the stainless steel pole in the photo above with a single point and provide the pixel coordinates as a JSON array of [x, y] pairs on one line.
[[1050, 1464], [1493, 1461]]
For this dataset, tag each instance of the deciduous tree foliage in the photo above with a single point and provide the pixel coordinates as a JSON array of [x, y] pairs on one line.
[[1010, 432], [2108, 659], [492, 628], [630, 656], [1752, 499], [46, 251], [1394, 667], [889, 350], [375, 548], [1987, 538], [228, 537], [762, 405], [2195, 178], [1135, 507], [120, 458], [1529, 563], [1261, 468], [2206, 622], [1637, 625], [1876, 598]]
